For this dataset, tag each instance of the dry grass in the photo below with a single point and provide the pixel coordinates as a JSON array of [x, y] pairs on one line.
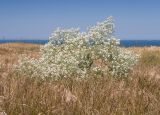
[[139, 95], [11, 52]]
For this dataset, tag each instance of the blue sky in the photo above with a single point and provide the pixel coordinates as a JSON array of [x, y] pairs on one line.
[[37, 19]]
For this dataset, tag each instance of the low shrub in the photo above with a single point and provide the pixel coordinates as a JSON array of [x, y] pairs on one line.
[[72, 53]]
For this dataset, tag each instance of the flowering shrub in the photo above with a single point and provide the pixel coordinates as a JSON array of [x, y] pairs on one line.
[[70, 52]]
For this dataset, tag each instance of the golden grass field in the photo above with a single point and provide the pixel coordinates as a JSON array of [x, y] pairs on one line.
[[138, 95]]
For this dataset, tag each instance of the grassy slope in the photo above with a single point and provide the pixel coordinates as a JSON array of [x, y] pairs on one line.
[[103, 96]]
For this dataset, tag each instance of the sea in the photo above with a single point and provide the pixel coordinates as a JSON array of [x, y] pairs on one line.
[[123, 43]]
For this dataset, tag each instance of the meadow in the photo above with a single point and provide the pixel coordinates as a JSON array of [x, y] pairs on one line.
[[137, 95]]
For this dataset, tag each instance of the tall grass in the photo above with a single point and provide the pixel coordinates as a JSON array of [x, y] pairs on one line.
[[102, 96], [137, 95]]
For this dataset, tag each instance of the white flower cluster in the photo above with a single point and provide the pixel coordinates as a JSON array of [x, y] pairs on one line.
[[72, 53]]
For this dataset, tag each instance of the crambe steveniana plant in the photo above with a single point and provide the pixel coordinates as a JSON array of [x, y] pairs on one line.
[[72, 53]]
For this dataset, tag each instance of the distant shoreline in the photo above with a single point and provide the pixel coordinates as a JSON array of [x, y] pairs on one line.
[[124, 43]]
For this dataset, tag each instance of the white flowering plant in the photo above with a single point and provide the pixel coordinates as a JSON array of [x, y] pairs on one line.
[[71, 53]]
